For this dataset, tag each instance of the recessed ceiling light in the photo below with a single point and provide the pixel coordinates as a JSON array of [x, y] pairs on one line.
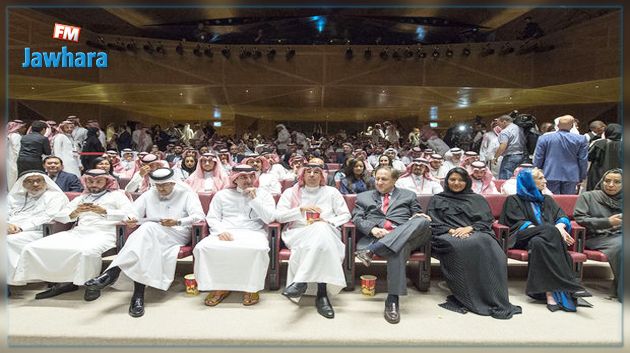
[[32, 87], [597, 86], [181, 93], [246, 91]]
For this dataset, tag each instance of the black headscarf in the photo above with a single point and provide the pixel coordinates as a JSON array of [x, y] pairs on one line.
[[613, 132], [611, 201], [450, 209]]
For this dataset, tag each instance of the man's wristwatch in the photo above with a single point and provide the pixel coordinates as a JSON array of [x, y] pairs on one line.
[[179, 223]]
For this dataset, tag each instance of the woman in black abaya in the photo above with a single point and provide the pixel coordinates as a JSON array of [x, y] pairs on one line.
[[472, 260], [539, 225]]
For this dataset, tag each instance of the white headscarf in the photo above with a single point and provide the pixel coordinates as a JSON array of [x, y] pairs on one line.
[[17, 196]]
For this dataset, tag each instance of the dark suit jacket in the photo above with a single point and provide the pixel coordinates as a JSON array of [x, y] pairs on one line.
[[68, 182], [33, 146], [367, 212]]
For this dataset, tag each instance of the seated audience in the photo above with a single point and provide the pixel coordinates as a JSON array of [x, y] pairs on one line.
[[357, 179]]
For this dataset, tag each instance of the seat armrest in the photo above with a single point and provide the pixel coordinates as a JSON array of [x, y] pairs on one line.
[[199, 232], [273, 273], [123, 231], [579, 234], [349, 239], [502, 232], [55, 227]]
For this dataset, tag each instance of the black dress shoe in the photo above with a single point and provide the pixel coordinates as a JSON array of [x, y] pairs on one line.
[[294, 290], [365, 256], [56, 289], [581, 294], [554, 307], [102, 281], [324, 308], [392, 313], [91, 294], [136, 308]]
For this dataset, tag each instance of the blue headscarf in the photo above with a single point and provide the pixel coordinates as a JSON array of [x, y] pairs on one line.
[[526, 187]]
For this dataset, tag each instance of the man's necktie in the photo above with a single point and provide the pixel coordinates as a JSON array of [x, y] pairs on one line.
[[388, 224]]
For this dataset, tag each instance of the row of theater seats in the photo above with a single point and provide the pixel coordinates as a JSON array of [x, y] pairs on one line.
[[422, 256]]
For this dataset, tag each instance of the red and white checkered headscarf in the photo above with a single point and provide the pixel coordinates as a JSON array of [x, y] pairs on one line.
[[242, 169], [111, 184], [296, 196], [14, 126], [196, 180], [263, 162], [419, 161]]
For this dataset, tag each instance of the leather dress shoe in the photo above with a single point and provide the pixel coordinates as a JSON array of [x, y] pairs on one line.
[[136, 308], [365, 256], [554, 307], [91, 294], [56, 289], [294, 290], [392, 313], [324, 308], [100, 282], [582, 294]]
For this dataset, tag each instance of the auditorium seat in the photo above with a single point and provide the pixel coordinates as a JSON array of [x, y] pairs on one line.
[[566, 202], [422, 256], [499, 183], [334, 166], [279, 252]]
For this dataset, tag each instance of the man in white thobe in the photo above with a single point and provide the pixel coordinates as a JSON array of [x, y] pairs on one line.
[[15, 130], [436, 167], [266, 180], [140, 182], [418, 179], [78, 133], [35, 199], [489, 145], [72, 257], [64, 148], [235, 256], [148, 258], [317, 253]]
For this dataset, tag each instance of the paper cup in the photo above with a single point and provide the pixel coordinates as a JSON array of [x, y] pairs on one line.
[[368, 285], [191, 284]]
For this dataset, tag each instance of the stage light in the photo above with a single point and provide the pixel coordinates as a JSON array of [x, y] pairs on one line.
[[506, 49], [197, 50], [488, 50], [132, 46], [396, 55], [271, 53], [180, 49], [420, 53], [244, 53], [436, 53], [290, 53], [256, 53], [226, 52], [367, 54], [349, 53], [208, 52], [149, 48], [466, 52], [384, 54], [449, 52], [160, 48]]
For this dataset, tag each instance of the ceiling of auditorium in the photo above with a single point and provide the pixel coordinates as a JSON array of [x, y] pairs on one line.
[[318, 83]]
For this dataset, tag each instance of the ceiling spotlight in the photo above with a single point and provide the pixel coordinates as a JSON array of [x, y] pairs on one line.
[[208, 51], [132, 46], [367, 54], [436, 52], [160, 48], [349, 53], [506, 49], [290, 53], [197, 50], [256, 53], [466, 52], [180, 49], [271, 52], [488, 50], [149, 48], [226, 52], [244, 53], [384, 54], [408, 53], [449, 52]]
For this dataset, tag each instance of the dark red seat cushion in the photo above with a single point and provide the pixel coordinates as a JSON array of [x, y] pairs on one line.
[[596, 255], [184, 251], [284, 254]]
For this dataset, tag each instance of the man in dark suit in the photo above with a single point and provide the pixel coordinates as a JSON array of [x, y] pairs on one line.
[[66, 181], [391, 224], [32, 147]]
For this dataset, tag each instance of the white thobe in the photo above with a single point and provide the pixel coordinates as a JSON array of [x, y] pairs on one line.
[[79, 134], [317, 252], [30, 216], [134, 183], [448, 164], [489, 145], [270, 183], [399, 165], [13, 150], [75, 255], [126, 169], [281, 172], [150, 254], [419, 185], [240, 264], [64, 149], [439, 173], [477, 187]]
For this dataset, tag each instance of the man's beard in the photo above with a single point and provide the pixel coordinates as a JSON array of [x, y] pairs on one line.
[[36, 193], [96, 190]]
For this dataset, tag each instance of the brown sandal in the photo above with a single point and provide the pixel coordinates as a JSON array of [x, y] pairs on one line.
[[215, 297], [250, 298]]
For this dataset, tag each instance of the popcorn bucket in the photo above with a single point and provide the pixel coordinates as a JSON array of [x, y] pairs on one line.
[[191, 284], [368, 285], [311, 217]]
